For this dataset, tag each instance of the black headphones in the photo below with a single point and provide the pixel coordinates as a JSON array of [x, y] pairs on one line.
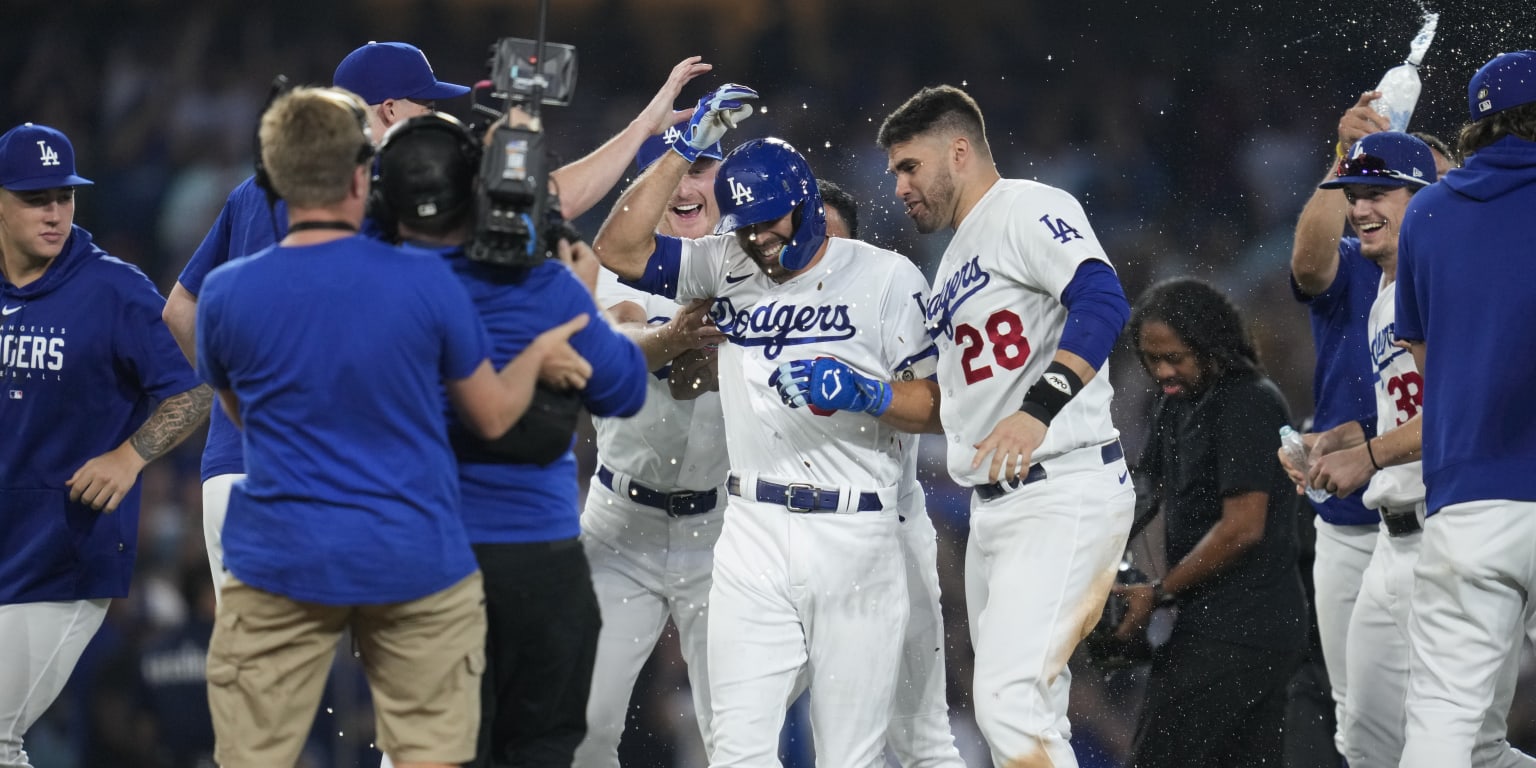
[[280, 86], [399, 189]]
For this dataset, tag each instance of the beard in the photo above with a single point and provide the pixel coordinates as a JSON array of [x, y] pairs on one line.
[[939, 196]]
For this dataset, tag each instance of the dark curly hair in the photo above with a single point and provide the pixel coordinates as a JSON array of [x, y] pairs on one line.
[[1204, 319]]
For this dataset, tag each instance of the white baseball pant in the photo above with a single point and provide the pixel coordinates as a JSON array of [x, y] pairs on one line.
[[646, 566], [1378, 668], [1342, 554], [1048, 551], [823, 590], [41, 644], [1476, 566], [215, 507]]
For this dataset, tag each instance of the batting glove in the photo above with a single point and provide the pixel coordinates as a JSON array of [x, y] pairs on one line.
[[718, 112], [830, 385]]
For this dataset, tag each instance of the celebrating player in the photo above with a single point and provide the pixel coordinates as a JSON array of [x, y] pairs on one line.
[[93, 390], [1464, 291], [805, 573], [1217, 691], [1025, 309]]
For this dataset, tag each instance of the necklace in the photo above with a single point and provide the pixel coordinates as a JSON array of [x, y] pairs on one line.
[[303, 225]]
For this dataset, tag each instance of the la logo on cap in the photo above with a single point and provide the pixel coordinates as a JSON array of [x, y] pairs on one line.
[[50, 157]]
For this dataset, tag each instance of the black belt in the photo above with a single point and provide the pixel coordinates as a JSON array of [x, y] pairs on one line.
[[1401, 523], [678, 504], [1111, 452], [802, 497]]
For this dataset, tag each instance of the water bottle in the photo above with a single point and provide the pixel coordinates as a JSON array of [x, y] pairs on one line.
[[1296, 449], [1400, 86]]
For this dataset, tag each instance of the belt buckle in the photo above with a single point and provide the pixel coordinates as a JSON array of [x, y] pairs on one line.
[[684, 499], [789, 497]]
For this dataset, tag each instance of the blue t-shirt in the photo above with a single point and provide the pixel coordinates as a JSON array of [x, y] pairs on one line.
[[1343, 385], [1466, 284], [514, 503], [245, 226], [337, 353], [84, 361]]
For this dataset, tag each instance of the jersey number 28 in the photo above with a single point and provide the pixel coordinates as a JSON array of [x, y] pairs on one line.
[[1005, 332]]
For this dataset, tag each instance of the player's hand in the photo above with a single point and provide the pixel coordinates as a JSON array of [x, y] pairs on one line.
[[1361, 120], [1292, 471], [104, 481], [562, 366], [830, 385], [716, 113], [1342, 472], [659, 115], [694, 372], [582, 261], [692, 328], [1139, 600], [1012, 445]]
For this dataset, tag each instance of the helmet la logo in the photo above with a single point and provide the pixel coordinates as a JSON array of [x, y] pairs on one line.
[[50, 157], [740, 193]]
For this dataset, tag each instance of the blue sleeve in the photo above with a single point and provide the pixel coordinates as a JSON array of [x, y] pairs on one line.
[[246, 225], [663, 270], [1409, 323], [1096, 312], [213, 251], [617, 386]]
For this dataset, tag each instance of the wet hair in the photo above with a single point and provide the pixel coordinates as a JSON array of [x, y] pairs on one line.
[[1204, 319], [1516, 121], [838, 199], [941, 109]]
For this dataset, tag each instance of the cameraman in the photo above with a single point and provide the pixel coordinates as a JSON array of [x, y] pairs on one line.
[[519, 495]]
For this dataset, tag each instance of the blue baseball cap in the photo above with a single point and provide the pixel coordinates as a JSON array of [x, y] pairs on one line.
[[37, 157], [656, 146], [379, 71], [1509, 80], [1386, 159]]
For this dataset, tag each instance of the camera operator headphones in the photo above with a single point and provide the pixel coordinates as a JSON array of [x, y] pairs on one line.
[[419, 187]]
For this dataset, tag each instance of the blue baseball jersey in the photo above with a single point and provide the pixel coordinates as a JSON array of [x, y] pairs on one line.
[[514, 503], [1343, 385], [84, 360], [1466, 282], [246, 225], [337, 353]]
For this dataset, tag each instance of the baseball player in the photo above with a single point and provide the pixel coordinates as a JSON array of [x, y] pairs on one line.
[[1378, 176], [1025, 309], [654, 509], [1464, 288], [805, 574]]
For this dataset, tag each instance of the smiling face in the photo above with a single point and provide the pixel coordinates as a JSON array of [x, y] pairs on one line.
[[924, 182], [1169, 361], [1376, 215], [692, 212], [765, 242], [35, 224]]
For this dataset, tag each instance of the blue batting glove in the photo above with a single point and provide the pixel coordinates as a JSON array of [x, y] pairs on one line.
[[792, 380], [716, 113], [836, 387]]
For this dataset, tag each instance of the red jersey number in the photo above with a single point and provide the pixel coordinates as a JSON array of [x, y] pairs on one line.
[[1005, 338]]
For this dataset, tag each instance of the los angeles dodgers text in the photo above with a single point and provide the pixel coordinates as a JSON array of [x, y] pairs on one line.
[[774, 327], [963, 284]]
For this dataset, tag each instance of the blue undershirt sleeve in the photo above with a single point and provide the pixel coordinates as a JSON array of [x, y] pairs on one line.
[[1096, 312], [663, 270]]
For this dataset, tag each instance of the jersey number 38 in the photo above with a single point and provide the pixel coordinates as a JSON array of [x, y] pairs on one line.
[[1004, 336]]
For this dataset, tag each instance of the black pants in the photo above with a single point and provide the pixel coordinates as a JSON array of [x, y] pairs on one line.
[[541, 643], [1213, 704]]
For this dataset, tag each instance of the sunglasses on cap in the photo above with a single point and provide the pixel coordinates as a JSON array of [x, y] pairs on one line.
[[1370, 166]]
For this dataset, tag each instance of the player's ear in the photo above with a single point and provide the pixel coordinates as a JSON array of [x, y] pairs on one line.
[[959, 150]]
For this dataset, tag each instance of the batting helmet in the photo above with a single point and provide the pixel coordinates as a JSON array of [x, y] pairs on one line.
[[764, 179], [427, 169]]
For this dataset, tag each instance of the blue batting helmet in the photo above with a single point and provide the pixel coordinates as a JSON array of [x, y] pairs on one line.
[[764, 179]]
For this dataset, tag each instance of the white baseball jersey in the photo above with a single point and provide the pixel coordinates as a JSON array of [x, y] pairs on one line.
[[996, 313], [861, 304], [670, 444], [1399, 395]]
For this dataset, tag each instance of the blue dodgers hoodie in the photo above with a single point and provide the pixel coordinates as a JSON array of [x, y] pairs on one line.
[[84, 360], [1466, 280]]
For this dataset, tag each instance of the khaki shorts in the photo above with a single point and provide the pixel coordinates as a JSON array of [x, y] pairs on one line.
[[270, 656]]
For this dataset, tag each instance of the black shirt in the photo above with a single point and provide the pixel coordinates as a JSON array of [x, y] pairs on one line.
[[1203, 449]]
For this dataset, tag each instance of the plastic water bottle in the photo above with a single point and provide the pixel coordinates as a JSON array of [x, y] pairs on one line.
[[1296, 449], [1400, 86]]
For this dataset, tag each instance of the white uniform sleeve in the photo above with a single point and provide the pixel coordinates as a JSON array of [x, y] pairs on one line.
[[610, 291], [702, 267], [1051, 230], [911, 354]]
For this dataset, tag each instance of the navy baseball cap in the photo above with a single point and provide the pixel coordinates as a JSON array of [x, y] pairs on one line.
[[37, 157], [1509, 80], [656, 146], [379, 71], [1385, 159]]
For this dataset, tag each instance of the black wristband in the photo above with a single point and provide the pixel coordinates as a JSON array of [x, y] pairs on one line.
[[1371, 455], [1051, 393]]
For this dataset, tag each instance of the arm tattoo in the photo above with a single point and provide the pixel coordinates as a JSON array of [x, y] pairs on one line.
[[172, 422]]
